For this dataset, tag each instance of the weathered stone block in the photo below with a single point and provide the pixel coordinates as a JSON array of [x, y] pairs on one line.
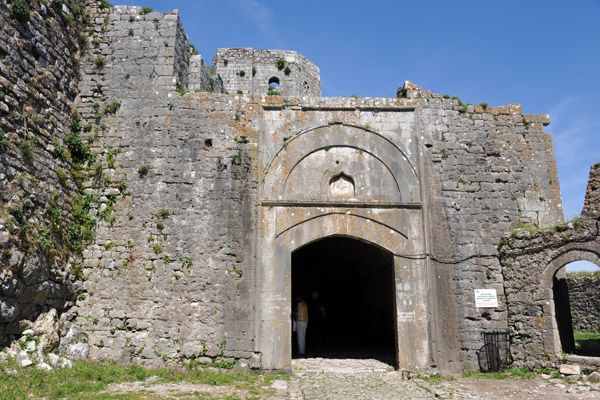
[[567, 369]]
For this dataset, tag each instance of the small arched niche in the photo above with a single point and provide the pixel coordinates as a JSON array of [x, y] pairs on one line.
[[341, 186]]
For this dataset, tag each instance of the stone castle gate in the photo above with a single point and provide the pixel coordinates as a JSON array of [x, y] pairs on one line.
[[342, 179]]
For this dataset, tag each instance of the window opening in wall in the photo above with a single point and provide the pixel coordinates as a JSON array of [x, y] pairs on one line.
[[274, 82], [273, 86], [577, 308]]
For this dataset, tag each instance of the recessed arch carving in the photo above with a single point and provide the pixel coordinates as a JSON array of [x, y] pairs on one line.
[[380, 169]]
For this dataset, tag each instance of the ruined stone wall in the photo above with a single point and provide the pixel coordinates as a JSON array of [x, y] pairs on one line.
[[531, 259], [491, 169], [591, 207], [160, 285], [201, 78], [133, 50], [250, 71], [40, 49], [544, 305], [584, 298]]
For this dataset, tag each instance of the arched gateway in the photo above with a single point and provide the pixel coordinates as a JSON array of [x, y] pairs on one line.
[[347, 181]]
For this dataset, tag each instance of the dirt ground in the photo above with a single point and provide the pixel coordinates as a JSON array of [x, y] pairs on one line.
[[341, 379]]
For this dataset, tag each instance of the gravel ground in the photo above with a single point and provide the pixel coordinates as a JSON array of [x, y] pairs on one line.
[[341, 379], [354, 379]]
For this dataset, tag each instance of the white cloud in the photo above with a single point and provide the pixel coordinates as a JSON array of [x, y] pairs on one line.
[[262, 19], [575, 132], [573, 141], [576, 144]]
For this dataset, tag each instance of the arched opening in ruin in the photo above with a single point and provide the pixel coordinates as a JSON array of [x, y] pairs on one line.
[[274, 82], [577, 308], [273, 87], [355, 283]]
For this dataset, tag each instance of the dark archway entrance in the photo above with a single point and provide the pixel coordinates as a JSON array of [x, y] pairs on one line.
[[355, 281]]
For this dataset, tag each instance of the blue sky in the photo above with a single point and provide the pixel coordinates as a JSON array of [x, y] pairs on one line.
[[544, 55]]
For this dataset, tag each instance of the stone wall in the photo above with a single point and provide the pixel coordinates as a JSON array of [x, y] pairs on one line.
[[202, 164], [170, 276], [201, 152], [591, 207], [584, 298], [251, 71], [201, 77], [134, 51], [40, 243], [481, 164], [544, 305], [532, 266]]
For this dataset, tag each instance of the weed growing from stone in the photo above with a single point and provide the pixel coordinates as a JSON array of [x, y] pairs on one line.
[[143, 169], [99, 62], [112, 108], [4, 142], [105, 4], [162, 213], [20, 11], [26, 150], [272, 92], [157, 248]]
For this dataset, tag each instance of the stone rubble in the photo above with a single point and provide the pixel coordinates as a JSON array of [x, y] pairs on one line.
[[39, 345]]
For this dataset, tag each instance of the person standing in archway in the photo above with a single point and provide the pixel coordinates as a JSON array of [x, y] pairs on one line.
[[301, 324], [316, 313]]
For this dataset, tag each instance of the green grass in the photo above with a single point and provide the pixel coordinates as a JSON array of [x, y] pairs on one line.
[[510, 373], [579, 335], [584, 274], [87, 379]]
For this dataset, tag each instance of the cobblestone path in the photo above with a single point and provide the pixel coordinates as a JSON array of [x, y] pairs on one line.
[[346, 379], [336, 379]]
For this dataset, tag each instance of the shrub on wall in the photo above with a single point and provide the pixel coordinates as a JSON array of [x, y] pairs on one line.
[[20, 10]]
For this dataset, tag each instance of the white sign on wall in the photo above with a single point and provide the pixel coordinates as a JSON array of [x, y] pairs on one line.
[[486, 298]]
